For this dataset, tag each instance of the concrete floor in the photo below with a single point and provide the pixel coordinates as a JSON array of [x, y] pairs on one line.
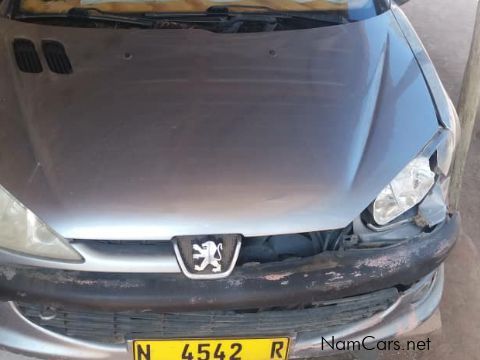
[[445, 27]]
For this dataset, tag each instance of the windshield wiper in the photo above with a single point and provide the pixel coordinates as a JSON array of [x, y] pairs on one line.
[[228, 19], [91, 14], [218, 18], [227, 13], [327, 17]]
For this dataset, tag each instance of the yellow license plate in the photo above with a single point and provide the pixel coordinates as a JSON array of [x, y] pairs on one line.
[[212, 349]]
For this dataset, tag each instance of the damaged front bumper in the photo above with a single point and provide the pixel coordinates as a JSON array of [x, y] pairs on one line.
[[414, 306], [326, 276], [410, 270]]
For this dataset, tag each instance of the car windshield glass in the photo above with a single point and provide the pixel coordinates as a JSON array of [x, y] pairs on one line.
[[351, 9]]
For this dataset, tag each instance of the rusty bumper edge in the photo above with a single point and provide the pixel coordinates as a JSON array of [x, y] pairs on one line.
[[327, 276]]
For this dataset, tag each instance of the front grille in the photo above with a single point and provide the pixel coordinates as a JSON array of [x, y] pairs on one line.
[[258, 249], [110, 327]]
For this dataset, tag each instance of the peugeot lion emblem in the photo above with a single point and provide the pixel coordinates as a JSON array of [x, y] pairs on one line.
[[210, 253], [207, 256]]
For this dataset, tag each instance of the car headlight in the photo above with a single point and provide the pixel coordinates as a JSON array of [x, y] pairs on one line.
[[415, 181], [22, 231], [405, 191]]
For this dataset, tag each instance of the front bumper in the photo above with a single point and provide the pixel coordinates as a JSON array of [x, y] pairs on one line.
[[414, 263], [327, 276], [414, 306]]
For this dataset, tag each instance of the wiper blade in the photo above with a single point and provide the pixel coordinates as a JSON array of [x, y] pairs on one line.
[[93, 14], [328, 17], [224, 12]]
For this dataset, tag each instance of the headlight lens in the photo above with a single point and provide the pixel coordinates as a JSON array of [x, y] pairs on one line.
[[22, 231], [405, 191]]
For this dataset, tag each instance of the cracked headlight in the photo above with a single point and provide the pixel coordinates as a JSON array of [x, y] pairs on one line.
[[405, 191], [23, 232]]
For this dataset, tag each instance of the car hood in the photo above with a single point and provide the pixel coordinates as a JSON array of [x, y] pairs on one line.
[[159, 133]]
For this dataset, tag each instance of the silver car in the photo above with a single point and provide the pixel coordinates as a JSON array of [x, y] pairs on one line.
[[218, 180]]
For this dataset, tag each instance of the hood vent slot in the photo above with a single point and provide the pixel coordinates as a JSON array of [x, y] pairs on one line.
[[56, 57], [26, 56]]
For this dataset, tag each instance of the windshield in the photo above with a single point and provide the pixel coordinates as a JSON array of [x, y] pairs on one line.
[[353, 9]]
